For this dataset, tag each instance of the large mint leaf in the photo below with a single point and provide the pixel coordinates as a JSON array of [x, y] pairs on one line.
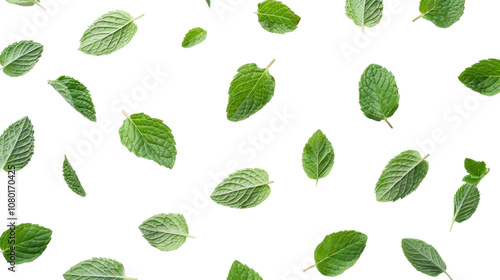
[[338, 252], [17, 145], [194, 37], [240, 271], [483, 77], [402, 176], [378, 93], [19, 58], [97, 269], [166, 232], [423, 257], [276, 17], [149, 138], [72, 179], [76, 94], [318, 156], [443, 13], [109, 33], [364, 12], [30, 242], [251, 89], [245, 188]]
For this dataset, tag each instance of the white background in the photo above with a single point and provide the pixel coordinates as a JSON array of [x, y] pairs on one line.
[[317, 70]]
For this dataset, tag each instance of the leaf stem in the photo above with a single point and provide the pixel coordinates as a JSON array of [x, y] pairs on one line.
[[426, 157], [417, 18], [138, 17], [129, 278], [126, 115], [314, 265], [452, 224], [448, 275], [270, 64], [38, 4], [317, 182], [390, 125], [189, 236]]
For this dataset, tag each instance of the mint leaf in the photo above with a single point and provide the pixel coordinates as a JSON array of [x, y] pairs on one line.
[[378, 93], [338, 252], [149, 138], [109, 33], [476, 169], [76, 94], [244, 188], [17, 145], [318, 156], [194, 37], [208, 2], [72, 179], [483, 77], [423, 257], [240, 271], [26, 3], [97, 269], [402, 176], [251, 89], [276, 17], [30, 242], [443, 13], [20, 57], [364, 12], [166, 232]]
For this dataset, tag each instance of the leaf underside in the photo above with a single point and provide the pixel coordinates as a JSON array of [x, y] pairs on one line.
[[483, 77], [96, 269], [17, 145], [76, 94], [30, 242], [25, 3], [194, 37], [318, 156], [72, 179], [20, 57], [365, 12], [276, 17], [240, 271], [245, 188], [402, 176], [166, 232], [443, 13], [423, 257]]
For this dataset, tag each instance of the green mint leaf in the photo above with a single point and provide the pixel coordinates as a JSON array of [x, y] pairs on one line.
[[443, 13], [194, 37], [17, 145], [276, 17], [402, 176], [378, 93], [465, 203], [364, 12], [149, 138], [338, 252], [483, 77], [20, 57], [76, 94], [30, 242], [240, 271], [97, 269], [476, 169], [318, 156], [251, 89], [208, 2], [166, 232], [26, 3], [109, 33], [244, 188], [423, 257], [72, 179]]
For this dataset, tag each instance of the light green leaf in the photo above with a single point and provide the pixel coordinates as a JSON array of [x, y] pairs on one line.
[[244, 188], [149, 138], [318, 156], [109, 33], [476, 169], [76, 94], [194, 37], [483, 77], [378, 93], [166, 232], [20, 57], [26, 3], [251, 89], [465, 203], [364, 12], [443, 13], [423, 257], [276, 17], [97, 269], [338, 252], [72, 179], [402, 176], [30, 242], [17, 145], [240, 271], [208, 2]]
